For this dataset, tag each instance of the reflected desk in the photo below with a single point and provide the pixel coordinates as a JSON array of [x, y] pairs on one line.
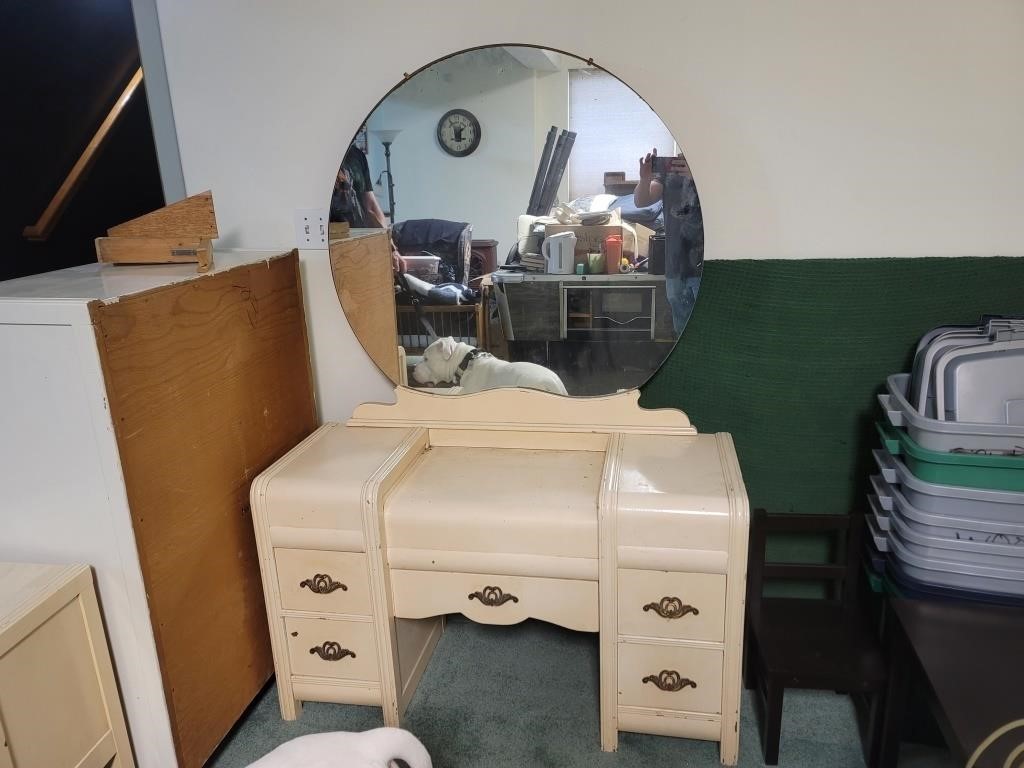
[[599, 516], [599, 333], [618, 307]]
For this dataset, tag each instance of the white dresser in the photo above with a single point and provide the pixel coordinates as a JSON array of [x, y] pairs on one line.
[[589, 513], [58, 698], [138, 402]]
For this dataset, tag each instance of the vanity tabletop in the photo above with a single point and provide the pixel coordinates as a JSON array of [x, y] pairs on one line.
[[541, 502]]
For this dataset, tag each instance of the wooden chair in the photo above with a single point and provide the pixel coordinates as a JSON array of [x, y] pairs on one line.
[[825, 644]]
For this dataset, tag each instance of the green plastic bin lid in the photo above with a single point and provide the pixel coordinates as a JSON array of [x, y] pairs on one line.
[[897, 441]]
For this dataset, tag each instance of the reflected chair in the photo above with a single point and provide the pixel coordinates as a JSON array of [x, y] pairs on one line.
[[793, 642]]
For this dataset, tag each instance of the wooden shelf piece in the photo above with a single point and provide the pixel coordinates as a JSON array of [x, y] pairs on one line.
[[177, 233]]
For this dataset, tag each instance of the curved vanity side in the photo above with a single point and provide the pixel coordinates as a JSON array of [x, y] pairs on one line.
[[736, 591], [307, 511], [374, 494], [258, 492]]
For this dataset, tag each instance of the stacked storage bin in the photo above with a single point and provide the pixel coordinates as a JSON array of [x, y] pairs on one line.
[[947, 509]]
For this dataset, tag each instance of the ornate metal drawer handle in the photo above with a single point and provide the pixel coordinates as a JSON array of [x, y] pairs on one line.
[[671, 608], [322, 584], [493, 596], [331, 651], [670, 680]]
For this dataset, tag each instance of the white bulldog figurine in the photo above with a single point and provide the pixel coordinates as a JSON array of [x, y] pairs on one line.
[[475, 371], [339, 749]]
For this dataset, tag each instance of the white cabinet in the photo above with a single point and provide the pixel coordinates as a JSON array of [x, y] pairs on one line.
[[138, 404]]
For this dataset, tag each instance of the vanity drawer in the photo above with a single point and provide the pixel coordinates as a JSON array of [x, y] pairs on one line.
[[323, 582], [674, 605], [332, 648], [670, 677], [495, 599]]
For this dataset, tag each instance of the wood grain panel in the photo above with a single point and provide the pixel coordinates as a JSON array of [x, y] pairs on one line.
[[208, 382], [193, 217], [361, 267]]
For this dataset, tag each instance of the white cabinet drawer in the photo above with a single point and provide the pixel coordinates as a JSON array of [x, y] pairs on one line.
[[688, 606], [495, 599], [345, 650], [323, 582], [670, 677]]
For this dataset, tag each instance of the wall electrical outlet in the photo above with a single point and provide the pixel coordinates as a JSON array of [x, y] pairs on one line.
[[311, 227]]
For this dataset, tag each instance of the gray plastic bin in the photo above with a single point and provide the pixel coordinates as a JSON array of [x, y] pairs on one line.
[[878, 534], [878, 520], [984, 385], [949, 573], [935, 435], [879, 486], [956, 550], [979, 504]]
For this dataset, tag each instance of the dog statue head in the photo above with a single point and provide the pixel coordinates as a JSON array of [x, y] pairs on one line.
[[440, 361]]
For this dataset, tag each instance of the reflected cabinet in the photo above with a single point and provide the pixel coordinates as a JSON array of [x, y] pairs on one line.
[[604, 518]]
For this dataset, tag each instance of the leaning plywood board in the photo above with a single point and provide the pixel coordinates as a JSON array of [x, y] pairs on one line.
[[208, 383], [363, 278]]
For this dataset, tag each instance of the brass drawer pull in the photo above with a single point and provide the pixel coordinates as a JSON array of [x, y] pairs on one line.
[[493, 596], [671, 608], [322, 584], [331, 651], [670, 680]]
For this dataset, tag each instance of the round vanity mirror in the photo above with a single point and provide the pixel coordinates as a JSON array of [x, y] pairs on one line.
[[516, 217]]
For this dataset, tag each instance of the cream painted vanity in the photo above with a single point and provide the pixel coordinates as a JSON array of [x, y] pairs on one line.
[[590, 513]]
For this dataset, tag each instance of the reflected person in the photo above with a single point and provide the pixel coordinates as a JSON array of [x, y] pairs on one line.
[[684, 230], [353, 199]]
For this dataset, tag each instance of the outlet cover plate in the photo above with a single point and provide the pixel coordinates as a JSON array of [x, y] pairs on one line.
[[311, 226]]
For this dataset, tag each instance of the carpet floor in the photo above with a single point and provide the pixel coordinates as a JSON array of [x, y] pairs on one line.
[[520, 696]]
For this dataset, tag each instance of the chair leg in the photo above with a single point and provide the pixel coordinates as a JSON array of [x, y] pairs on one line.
[[749, 661], [771, 731]]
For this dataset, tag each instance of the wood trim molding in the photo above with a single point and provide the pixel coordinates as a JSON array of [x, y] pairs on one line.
[[607, 512], [374, 493], [523, 410]]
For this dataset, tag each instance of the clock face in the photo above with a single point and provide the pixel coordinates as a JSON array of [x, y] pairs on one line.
[[458, 132]]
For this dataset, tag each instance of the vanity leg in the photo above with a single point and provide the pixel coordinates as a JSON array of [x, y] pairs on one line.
[[291, 707]]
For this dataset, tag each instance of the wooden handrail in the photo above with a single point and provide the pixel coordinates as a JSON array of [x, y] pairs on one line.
[[44, 226]]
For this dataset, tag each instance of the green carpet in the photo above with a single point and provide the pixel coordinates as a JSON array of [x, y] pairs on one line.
[[526, 695]]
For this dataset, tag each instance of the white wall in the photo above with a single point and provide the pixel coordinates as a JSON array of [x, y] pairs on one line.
[[815, 128], [490, 187]]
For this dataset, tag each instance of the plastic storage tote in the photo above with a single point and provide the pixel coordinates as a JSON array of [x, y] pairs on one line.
[[935, 435], [957, 550], [949, 500], [1003, 473], [949, 573]]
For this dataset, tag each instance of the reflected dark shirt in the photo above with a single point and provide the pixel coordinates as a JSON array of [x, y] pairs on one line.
[[347, 199]]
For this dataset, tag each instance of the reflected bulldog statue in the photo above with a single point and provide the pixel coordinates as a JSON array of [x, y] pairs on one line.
[[474, 371]]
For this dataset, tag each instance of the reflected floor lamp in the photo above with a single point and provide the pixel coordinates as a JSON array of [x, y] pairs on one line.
[[387, 138]]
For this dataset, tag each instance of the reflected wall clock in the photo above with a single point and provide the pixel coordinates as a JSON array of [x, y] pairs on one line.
[[458, 132]]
